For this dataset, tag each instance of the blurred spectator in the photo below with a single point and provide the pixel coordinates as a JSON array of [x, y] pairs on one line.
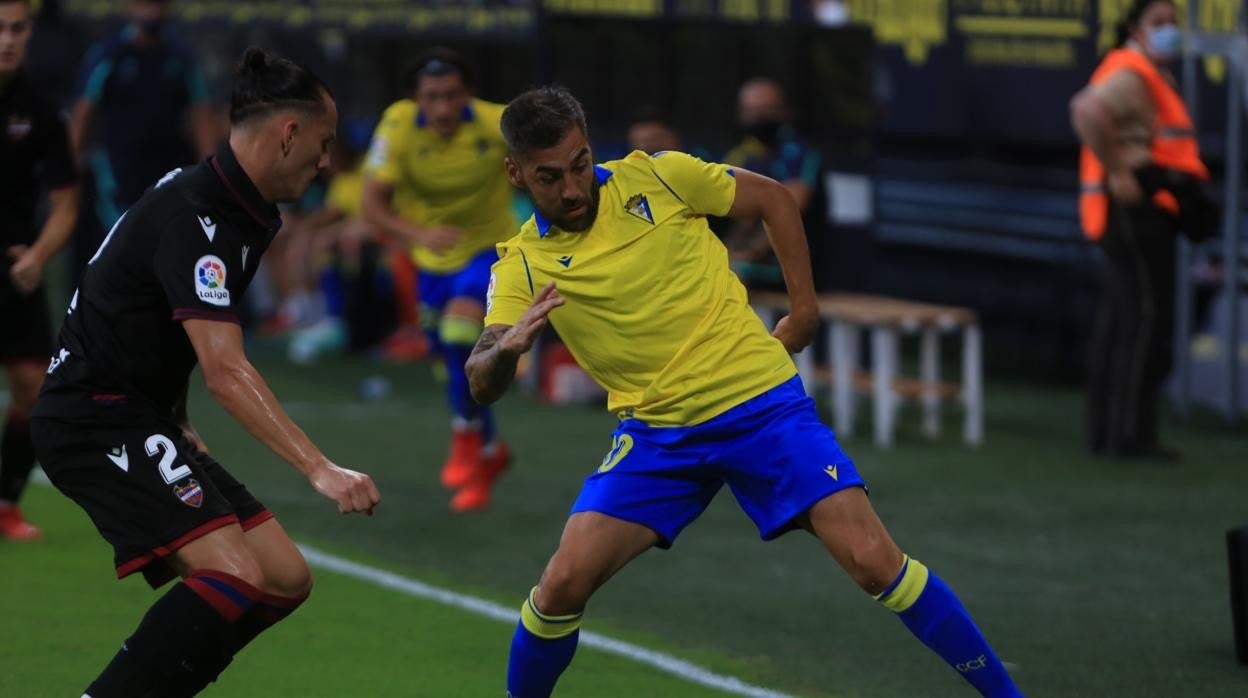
[[651, 133], [1139, 176], [142, 111], [56, 47], [34, 158], [334, 254], [770, 147]]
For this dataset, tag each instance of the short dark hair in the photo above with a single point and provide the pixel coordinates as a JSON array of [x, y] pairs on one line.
[[265, 83], [540, 118], [437, 61], [1132, 19]]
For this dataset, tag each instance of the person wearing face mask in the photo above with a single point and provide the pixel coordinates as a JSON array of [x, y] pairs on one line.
[[770, 146], [142, 110], [1140, 177]]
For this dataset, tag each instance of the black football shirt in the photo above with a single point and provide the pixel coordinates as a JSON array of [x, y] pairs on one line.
[[187, 249]]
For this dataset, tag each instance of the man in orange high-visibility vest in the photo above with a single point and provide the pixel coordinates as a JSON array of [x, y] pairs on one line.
[[1136, 132]]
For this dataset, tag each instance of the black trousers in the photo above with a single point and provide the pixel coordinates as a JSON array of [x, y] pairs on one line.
[[1133, 341]]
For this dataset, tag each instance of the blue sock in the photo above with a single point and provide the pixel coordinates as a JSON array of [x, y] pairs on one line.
[[540, 650], [486, 415], [457, 336], [331, 284], [930, 609]]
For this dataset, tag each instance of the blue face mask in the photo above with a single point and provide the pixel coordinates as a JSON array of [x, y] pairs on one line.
[[1165, 41]]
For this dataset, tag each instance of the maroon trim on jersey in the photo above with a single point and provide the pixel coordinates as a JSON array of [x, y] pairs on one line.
[[242, 201], [162, 551], [180, 314], [256, 519], [108, 397]]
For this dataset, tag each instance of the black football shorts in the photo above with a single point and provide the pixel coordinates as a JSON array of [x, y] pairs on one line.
[[145, 487]]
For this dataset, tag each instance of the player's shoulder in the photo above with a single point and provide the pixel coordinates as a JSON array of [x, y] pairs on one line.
[[183, 193], [105, 49], [402, 112], [41, 106], [486, 111], [515, 246], [660, 164]]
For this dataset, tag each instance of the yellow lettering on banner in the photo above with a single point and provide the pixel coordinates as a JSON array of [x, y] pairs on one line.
[[915, 25], [1217, 16], [1025, 8], [1021, 26], [627, 8], [1031, 53]]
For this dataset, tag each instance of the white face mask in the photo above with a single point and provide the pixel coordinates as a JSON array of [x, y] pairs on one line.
[[1165, 41]]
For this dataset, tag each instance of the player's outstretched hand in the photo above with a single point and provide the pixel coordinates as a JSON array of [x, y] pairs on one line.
[[795, 333], [520, 336], [353, 491], [27, 271]]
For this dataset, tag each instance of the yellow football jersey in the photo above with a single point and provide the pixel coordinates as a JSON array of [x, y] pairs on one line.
[[652, 310], [346, 191], [458, 182]]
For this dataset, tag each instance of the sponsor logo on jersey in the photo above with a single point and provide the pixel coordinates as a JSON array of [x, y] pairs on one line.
[[190, 492], [120, 458], [210, 280], [489, 294], [209, 226]]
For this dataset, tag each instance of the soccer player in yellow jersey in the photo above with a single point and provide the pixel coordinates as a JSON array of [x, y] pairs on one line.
[[620, 260], [435, 179]]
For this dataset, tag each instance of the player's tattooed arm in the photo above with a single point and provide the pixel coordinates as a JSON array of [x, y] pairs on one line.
[[492, 365], [490, 370]]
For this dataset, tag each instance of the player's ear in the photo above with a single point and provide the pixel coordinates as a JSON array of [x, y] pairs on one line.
[[290, 129], [513, 172]]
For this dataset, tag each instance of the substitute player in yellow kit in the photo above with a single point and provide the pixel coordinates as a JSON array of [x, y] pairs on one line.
[[435, 178], [620, 259]]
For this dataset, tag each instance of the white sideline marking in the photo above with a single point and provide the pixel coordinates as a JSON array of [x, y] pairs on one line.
[[488, 609]]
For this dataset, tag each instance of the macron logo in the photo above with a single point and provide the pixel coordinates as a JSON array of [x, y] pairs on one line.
[[210, 228], [120, 458]]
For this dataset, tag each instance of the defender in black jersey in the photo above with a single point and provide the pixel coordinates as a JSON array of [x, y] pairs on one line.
[[111, 429], [34, 156]]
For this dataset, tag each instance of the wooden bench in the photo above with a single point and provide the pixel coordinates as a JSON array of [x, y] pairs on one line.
[[887, 318]]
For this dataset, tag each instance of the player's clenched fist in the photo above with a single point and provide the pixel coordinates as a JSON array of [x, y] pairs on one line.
[[353, 491]]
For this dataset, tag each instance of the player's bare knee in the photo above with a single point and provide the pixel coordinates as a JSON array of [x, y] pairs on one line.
[[872, 562], [293, 581], [562, 591]]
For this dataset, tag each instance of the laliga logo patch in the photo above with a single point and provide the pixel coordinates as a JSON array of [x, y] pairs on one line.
[[210, 280], [190, 493]]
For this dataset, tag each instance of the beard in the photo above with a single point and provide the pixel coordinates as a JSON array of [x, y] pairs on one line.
[[580, 222]]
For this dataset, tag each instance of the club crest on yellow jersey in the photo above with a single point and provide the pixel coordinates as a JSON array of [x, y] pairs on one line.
[[638, 206]]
